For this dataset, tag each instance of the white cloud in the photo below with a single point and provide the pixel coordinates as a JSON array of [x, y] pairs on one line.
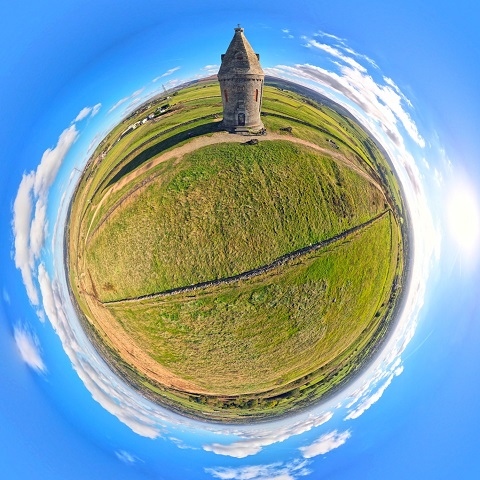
[[136, 93], [38, 228], [95, 109], [390, 82], [29, 233], [88, 111], [166, 74], [6, 296], [170, 72], [325, 443], [335, 52], [22, 217], [52, 159], [382, 104], [329, 35], [426, 163], [254, 443], [29, 348], [84, 112], [274, 471], [369, 401], [120, 102], [371, 398], [209, 70], [132, 99], [181, 444], [174, 82], [341, 43], [126, 457]]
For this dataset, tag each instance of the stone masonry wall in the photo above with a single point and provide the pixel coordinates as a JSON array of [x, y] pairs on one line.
[[242, 102]]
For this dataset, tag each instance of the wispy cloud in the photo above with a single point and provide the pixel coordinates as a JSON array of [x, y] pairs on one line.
[[341, 43], [181, 444], [132, 99], [335, 52], [32, 196], [330, 36], [166, 74], [116, 105], [210, 69], [126, 457], [274, 471], [381, 103], [251, 445], [22, 218], [29, 347], [326, 443], [88, 111], [175, 82], [6, 296], [138, 92], [372, 397]]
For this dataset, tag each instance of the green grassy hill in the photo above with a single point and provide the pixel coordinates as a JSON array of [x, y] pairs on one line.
[[223, 210], [300, 239]]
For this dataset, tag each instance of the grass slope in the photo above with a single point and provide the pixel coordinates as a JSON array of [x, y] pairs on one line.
[[234, 339], [265, 345], [223, 210]]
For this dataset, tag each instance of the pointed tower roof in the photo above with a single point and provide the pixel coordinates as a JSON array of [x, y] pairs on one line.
[[240, 57]]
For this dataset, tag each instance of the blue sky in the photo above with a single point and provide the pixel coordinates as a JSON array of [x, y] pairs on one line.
[[409, 72]]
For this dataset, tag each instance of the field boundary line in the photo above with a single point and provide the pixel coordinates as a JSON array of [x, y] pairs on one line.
[[256, 271]]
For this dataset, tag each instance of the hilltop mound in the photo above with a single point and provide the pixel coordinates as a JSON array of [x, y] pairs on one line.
[[233, 279]]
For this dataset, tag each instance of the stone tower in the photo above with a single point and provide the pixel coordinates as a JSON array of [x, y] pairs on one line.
[[241, 82]]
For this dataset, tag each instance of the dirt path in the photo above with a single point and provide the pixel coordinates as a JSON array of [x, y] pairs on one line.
[[221, 137], [128, 349]]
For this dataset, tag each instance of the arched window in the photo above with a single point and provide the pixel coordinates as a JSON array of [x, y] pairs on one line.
[[226, 96], [256, 94]]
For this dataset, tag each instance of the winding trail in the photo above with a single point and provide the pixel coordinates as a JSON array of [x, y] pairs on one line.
[[256, 271]]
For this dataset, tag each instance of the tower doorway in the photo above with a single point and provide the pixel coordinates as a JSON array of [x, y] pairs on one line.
[[241, 119]]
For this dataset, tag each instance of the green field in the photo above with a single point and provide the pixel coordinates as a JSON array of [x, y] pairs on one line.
[[290, 331]]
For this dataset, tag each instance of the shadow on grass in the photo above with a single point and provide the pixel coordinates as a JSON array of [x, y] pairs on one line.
[[163, 145]]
